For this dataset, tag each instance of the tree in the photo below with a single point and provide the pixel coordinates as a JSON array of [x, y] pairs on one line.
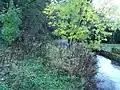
[[33, 26], [11, 22], [110, 9], [76, 19]]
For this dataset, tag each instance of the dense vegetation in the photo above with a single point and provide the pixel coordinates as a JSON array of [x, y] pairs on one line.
[[78, 20], [29, 58], [11, 21]]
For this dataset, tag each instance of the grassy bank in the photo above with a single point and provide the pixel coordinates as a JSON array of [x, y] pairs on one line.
[[110, 55], [108, 47], [33, 75], [56, 68], [110, 51]]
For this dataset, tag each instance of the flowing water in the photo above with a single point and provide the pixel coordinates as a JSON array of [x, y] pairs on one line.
[[109, 74]]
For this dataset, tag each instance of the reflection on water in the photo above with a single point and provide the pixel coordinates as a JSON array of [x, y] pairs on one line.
[[109, 74]]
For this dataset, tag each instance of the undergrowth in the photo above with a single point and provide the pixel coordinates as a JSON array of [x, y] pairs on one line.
[[32, 75], [71, 68]]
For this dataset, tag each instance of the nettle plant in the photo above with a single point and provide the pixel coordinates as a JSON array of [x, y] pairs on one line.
[[76, 19], [11, 21]]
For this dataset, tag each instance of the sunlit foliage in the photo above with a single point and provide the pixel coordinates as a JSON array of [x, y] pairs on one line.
[[76, 19]]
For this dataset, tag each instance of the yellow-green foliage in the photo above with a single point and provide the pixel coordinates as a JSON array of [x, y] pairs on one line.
[[76, 19]]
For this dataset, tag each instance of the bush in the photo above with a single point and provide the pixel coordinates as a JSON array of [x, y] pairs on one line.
[[4, 87], [11, 22], [32, 75], [115, 50], [69, 68], [75, 60]]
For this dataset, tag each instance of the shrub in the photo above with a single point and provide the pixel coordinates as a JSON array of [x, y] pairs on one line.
[[76, 60], [115, 50], [32, 75], [11, 21], [4, 87], [69, 68]]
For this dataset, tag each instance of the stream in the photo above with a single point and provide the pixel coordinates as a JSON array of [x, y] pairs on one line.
[[109, 74]]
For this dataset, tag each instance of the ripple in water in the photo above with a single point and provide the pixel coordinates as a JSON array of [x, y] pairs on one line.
[[108, 74]]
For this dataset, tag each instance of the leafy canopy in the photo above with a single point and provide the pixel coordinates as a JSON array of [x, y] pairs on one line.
[[76, 19]]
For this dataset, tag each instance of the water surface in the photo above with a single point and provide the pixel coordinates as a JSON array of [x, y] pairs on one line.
[[109, 74]]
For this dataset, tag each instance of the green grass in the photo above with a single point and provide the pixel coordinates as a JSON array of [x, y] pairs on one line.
[[108, 47], [32, 75], [108, 53]]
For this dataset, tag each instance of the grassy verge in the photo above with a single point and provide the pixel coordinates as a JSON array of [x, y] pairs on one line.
[[108, 47], [59, 68], [110, 51], [33, 75], [110, 55]]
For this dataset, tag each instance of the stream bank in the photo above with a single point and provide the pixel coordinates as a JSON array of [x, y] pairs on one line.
[[110, 55]]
